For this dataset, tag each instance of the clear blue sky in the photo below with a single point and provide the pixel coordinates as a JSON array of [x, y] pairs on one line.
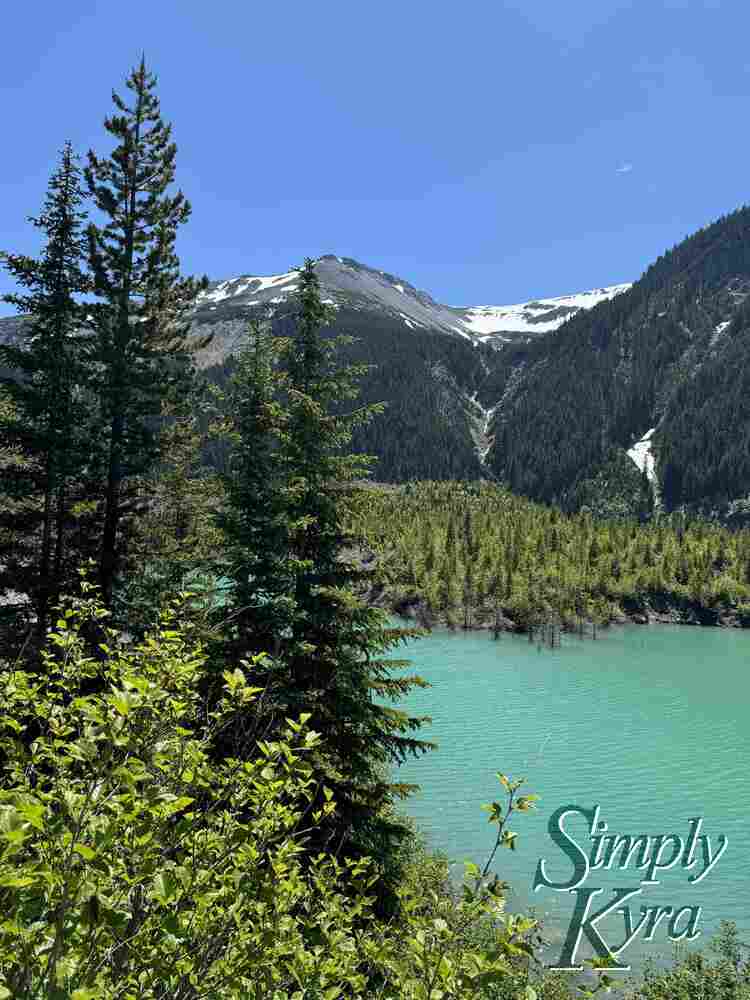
[[489, 152]]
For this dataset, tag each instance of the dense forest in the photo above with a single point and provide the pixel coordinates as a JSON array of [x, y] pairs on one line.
[[426, 431], [474, 554], [197, 796], [669, 353]]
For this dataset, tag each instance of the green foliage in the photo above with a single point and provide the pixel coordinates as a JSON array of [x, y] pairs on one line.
[[45, 424], [142, 302], [173, 542], [725, 976], [131, 864], [134, 864], [290, 488], [477, 554]]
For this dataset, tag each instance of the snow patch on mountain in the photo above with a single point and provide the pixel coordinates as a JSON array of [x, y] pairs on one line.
[[537, 316], [348, 284], [718, 331], [642, 455], [246, 284]]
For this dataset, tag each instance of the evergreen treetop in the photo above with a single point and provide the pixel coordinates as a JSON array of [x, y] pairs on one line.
[[142, 300], [47, 423], [291, 492]]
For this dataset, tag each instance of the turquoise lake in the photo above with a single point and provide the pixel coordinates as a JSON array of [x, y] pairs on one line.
[[650, 723]]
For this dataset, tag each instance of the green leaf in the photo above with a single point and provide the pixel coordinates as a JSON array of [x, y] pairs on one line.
[[525, 802], [85, 851], [33, 812], [121, 703], [165, 887], [178, 804], [16, 881]]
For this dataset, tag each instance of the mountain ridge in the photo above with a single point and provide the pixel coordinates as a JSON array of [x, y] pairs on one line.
[[345, 276], [669, 355], [638, 391]]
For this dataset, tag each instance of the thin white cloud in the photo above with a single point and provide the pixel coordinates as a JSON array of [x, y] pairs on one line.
[[625, 168]]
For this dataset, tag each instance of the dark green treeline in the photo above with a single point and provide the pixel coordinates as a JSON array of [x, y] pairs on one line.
[[474, 553]]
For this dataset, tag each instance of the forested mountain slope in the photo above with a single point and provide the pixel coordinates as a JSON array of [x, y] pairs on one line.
[[669, 355], [426, 379], [578, 400], [431, 364], [435, 366]]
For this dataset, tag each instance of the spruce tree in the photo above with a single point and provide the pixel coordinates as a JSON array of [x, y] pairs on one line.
[[255, 521], [292, 487], [46, 424], [140, 315]]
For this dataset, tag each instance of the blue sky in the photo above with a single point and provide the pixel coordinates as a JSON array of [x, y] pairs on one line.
[[489, 152]]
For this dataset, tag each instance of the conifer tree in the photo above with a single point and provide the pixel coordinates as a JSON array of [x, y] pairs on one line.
[[49, 369], [139, 319], [255, 520], [292, 489]]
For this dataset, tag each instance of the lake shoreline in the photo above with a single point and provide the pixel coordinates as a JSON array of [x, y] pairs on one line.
[[661, 610]]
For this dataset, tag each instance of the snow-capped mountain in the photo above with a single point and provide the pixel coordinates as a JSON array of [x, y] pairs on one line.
[[562, 398], [440, 369], [347, 283]]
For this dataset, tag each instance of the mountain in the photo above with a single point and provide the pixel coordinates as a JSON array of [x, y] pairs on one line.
[[348, 284], [612, 400], [433, 364], [345, 283], [425, 364], [655, 377]]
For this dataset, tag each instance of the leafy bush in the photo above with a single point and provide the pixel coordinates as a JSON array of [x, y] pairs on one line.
[[696, 977], [132, 864]]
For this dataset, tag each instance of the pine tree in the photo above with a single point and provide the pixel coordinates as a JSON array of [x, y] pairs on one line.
[[140, 316], [258, 556], [294, 487], [46, 390]]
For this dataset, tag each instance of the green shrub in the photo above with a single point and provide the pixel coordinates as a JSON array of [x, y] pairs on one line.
[[132, 865]]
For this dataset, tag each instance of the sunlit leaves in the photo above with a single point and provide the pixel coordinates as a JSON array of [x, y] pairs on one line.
[[522, 563], [140, 864]]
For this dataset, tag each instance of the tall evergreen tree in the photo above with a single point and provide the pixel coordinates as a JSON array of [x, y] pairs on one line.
[[45, 385], [140, 316], [256, 521], [291, 492]]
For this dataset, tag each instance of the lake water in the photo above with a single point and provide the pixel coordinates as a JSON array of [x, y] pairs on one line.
[[649, 723]]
